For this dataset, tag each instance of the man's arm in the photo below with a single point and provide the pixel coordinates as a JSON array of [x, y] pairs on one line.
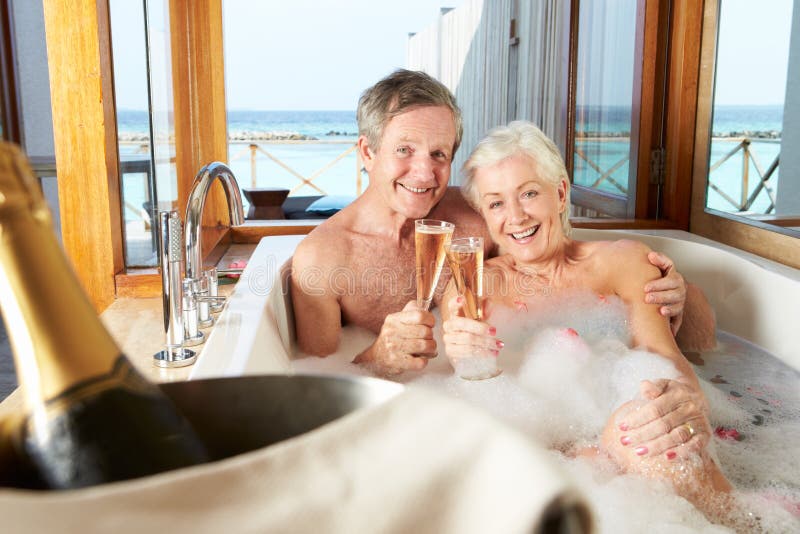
[[317, 313], [684, 304]]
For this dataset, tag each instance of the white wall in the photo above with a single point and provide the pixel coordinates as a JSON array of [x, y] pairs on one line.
[[788, 193], [494, 80], [34, 91]]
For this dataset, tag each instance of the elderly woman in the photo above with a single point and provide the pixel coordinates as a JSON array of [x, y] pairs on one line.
[[516, 180]]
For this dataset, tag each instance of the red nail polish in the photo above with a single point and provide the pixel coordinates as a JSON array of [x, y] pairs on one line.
[[500, 344], [640, 451], [494, 352], [492, 331], [623, 427], [459, 299], [671, 455], [625, 440]]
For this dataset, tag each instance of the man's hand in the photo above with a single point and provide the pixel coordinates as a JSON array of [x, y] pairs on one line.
[[669, 291], [404, 343]]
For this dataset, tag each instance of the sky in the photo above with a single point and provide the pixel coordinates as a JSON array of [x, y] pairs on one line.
[[309, 54], [753, 51], [290, 55]]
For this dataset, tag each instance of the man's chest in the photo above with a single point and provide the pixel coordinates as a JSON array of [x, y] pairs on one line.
[[378, 281]]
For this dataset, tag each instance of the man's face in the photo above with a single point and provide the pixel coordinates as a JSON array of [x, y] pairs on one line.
[[412, 166]]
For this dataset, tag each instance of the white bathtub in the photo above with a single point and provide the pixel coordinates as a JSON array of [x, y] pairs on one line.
[[754, 298]]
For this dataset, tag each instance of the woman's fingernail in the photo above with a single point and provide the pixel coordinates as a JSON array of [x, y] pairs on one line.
[[625, 440], [492, 331], [640, 451], [671, 455], [459, 299], [494, 352], [623, 427], [500, 344]]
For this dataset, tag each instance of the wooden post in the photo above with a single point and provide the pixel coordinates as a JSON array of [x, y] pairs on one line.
[[85, 135], [253, 149], [201, 134], [745, 172]]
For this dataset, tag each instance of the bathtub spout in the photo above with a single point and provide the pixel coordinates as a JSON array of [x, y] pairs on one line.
[[198, 281], [194, 211]]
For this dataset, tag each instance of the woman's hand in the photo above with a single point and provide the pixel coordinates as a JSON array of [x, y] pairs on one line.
[[467, 338], [670, 420]]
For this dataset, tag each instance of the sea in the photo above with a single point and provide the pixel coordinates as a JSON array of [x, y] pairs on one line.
[[317, 146]]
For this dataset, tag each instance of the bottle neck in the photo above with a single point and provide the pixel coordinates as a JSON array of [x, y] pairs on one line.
[[54, 331]]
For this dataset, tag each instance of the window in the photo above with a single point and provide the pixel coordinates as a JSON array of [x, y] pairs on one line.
[[755, 114], [604, 112]]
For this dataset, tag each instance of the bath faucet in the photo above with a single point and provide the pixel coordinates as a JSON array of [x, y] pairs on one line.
[[198, 283], [194, 211]]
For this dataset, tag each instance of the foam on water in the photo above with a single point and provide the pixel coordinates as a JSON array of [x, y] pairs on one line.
[[566, 368]]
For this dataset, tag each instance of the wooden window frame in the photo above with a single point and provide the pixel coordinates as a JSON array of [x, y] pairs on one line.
[[84, 123], [662, 108], [672, 67], [634, 206], [750, 236], [9, 90]]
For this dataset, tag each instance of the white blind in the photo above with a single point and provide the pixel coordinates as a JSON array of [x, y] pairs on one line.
[[468, 50]]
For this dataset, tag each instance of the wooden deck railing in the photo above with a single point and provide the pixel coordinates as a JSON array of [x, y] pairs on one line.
[[253, 149], [745, 201], [604, 174]]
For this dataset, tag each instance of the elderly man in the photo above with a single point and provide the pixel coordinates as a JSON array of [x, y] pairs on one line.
[[358, 267]]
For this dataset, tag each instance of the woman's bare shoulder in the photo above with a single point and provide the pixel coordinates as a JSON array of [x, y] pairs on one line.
[[616, 252]]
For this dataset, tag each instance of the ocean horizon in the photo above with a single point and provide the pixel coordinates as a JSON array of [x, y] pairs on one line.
[[728, 121]]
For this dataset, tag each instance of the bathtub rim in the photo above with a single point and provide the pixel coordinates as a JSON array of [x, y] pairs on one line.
[[217, 358]]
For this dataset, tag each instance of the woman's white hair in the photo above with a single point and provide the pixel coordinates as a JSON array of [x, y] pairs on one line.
[[519, 137]]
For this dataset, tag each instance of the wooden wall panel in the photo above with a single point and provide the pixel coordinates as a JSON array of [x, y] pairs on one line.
[[84, 126], [684, 66], [201, 134]]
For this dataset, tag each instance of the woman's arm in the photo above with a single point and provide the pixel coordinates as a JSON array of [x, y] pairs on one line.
[[669, 413], [629, 272]]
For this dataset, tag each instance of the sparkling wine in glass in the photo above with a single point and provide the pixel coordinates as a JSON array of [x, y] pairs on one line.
[[430, 237], [465, 256]]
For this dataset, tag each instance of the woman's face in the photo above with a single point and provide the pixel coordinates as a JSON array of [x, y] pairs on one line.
[[522, 210]]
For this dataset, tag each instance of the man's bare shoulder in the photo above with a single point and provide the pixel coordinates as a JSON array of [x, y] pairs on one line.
[[327, 246]]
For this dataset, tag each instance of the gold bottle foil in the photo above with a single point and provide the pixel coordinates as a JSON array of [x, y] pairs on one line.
[[48, 316]]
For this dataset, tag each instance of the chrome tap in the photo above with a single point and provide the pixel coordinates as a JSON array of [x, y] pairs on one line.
[[194, 211], [175, 353]]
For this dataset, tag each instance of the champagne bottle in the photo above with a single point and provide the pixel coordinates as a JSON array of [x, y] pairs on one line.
[[90, 416]]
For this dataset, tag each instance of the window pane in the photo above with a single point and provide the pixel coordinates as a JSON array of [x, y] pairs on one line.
[[133, 127], [752, 111], [604, 82], [145, 125], [293, 74]]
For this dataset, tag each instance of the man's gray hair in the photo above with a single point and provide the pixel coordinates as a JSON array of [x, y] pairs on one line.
[[397, 93], [519, 137]]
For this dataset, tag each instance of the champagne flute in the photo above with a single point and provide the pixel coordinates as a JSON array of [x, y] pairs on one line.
[[465, 256], [430, 238]]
